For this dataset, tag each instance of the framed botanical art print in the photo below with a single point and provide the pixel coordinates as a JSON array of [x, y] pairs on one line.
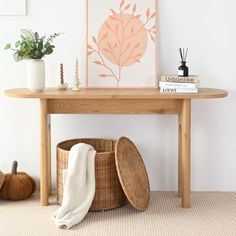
[[121, 44]]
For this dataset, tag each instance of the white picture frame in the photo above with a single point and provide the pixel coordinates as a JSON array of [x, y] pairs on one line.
[[12, 7], [114, 58]]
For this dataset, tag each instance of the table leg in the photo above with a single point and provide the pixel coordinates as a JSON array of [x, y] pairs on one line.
[[49, 154], [185, 149], [180, 183], [43, 152]]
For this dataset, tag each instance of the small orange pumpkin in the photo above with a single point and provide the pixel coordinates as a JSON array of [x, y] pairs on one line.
[[2, 177], [17, 185]]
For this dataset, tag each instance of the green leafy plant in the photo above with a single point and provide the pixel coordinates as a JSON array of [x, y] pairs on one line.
[[32, 46]]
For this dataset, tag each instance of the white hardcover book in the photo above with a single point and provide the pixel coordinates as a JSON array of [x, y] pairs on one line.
[[176, 78], [178, 85], [178, 90]]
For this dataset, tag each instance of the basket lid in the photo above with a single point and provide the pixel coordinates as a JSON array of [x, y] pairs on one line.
[[132, 174]]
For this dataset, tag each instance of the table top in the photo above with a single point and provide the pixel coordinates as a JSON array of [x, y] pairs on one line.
[[85, 93]]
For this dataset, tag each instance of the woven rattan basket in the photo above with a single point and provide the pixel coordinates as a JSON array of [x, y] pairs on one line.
[[109, 193]]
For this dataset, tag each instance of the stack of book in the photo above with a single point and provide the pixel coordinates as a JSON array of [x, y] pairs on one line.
[[176, 84]]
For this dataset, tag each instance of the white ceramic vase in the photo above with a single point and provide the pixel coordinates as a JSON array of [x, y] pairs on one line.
[[36, 75]]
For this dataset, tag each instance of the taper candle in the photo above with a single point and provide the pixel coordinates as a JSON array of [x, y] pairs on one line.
[[76, 69], [61, 74]]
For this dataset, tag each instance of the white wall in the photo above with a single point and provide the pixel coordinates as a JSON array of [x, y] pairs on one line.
[[207, 27]]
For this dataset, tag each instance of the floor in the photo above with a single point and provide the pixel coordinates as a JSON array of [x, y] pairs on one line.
[[210, 214]]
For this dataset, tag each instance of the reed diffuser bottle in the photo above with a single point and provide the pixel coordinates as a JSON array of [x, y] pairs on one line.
[[183, 70]]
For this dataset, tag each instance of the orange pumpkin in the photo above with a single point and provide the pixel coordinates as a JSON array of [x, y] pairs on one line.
[[17, 185], [2, 177]]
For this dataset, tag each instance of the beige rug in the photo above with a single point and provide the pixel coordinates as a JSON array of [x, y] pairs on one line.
[[211, 214]]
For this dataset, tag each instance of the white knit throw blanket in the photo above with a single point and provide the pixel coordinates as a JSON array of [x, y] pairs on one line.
[[79, 188]]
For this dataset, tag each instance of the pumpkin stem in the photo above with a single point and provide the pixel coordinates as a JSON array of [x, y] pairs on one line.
[[14, 167]]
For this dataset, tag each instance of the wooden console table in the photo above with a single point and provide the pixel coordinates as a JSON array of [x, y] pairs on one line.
[[116, 101]]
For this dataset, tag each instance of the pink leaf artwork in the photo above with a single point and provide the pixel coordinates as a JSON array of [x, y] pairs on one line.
[[148, 13], [98, 62], [153, 15], [113, 12], [122, 40], [113, 18], [153, 38], [94, 40], [122, 3], [134, 8], [127, 7], [104, 75]]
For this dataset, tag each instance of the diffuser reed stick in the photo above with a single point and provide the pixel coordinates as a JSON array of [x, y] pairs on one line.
[[186, 54], [183, 53]]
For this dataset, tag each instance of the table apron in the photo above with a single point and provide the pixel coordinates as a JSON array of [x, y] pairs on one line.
[[114, 106]]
